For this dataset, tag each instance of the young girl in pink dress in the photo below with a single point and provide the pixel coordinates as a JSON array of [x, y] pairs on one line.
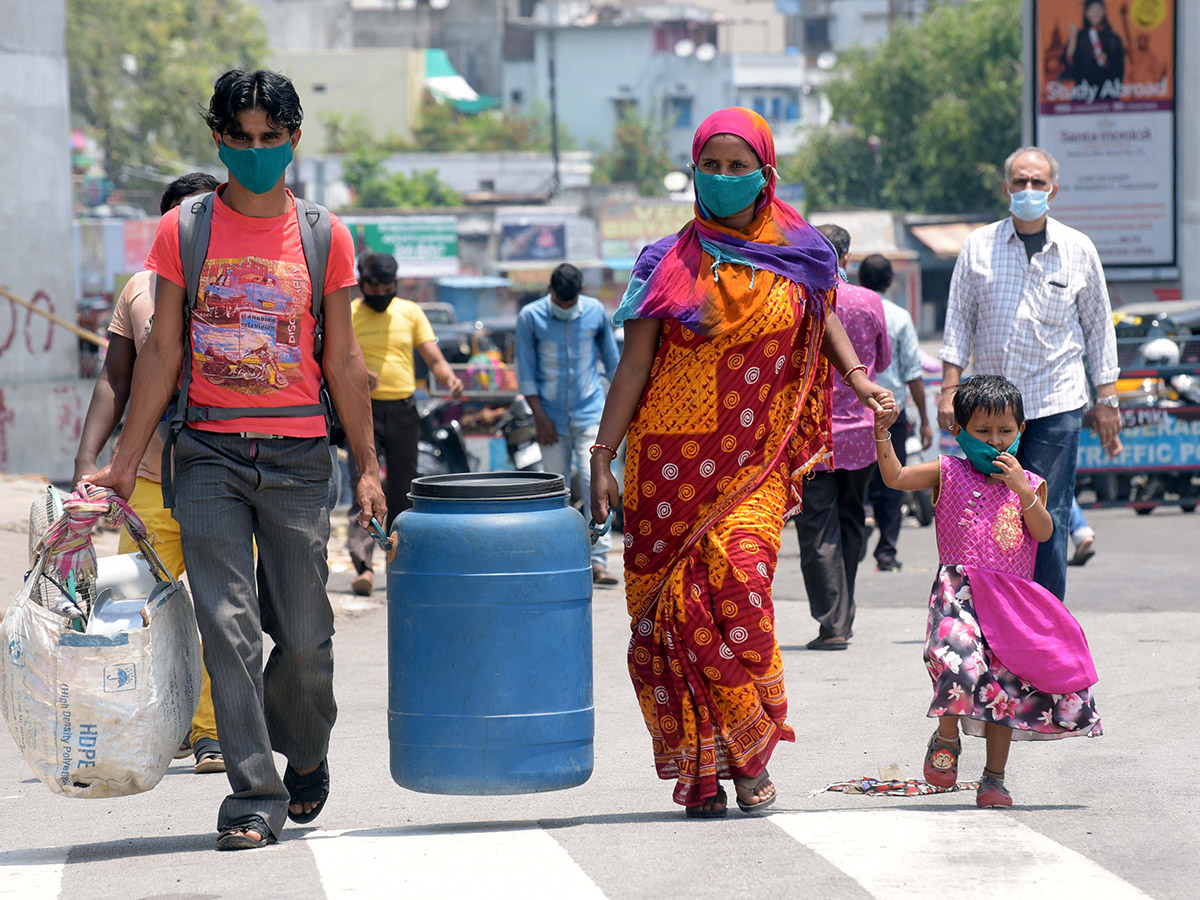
[[1005, 656]]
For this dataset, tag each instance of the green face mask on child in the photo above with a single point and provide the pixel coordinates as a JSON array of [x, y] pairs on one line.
[[981, 454]]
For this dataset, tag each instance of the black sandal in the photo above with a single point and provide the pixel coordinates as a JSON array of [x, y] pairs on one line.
[[236, 837], [306, 789], [699, 812], [754, 785]]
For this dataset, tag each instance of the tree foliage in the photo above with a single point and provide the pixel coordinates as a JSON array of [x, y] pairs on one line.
[[638, 154], [142, 71], [442, 129], [373, 186], [942, 97]]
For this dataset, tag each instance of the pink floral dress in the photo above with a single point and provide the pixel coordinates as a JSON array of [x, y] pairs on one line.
[[980, 528]]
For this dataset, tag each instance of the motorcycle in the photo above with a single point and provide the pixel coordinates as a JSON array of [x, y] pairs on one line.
[[441, 448]]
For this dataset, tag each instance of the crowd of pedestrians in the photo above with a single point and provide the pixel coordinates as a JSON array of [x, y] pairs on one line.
[[756, 383]]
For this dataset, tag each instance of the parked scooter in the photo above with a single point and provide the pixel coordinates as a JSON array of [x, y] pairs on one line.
[[441, 448]]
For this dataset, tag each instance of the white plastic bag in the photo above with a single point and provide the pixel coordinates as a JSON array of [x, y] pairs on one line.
[[100, 715]]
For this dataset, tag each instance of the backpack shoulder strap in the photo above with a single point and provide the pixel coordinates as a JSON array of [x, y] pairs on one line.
[[316, 234], [195, 226]]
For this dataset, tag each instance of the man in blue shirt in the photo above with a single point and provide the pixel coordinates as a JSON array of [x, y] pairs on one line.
[[562, 341], [904, 371]]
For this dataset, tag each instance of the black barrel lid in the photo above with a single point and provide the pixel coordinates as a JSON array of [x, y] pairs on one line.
[[489, 486]]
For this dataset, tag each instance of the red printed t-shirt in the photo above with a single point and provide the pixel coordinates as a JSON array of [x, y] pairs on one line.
[[252, 326]]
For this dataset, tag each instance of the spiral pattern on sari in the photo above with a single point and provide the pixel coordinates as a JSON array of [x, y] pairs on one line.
[[726, 429]]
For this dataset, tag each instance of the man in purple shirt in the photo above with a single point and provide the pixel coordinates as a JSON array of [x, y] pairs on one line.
[[831, 524]]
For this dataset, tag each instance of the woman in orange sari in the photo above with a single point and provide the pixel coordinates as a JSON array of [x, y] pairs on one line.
[[723, 394]]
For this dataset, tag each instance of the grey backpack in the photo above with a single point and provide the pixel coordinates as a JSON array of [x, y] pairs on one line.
[[195, 225]]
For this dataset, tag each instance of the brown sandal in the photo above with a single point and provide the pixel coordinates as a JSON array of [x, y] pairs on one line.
[[754, 785]]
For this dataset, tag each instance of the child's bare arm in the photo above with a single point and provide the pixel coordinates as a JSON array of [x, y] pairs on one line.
[[895, 476]]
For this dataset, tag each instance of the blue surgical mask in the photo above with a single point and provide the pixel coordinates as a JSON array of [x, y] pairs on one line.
[[726, 195], [257, 169], [1029, 205], [981, 454]]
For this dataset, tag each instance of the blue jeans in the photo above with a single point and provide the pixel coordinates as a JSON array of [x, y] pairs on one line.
[[1048, 448], [572, 448], [1078, 521]]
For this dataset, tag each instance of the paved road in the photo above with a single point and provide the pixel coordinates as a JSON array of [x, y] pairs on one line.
[[1112, 817]]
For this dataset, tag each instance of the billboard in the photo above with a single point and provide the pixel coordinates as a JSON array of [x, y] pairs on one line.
[[1104, 106], [423, 246], [626, 227]]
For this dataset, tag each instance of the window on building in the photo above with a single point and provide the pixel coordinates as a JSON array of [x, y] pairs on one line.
[[624, 106], [793, 112], [816, 34], [760, 105], [776, 108], [517, 97], [679, 112]]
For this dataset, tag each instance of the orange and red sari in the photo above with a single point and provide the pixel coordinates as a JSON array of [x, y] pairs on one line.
[[726, 429]]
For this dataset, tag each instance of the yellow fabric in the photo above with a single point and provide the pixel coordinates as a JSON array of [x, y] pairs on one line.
[[163, 531], [388, 340]]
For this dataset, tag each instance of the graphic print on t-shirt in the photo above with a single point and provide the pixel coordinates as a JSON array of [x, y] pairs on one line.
[[246, 324]]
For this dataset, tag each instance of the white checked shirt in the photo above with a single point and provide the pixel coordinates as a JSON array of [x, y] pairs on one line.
[[1031, 320]]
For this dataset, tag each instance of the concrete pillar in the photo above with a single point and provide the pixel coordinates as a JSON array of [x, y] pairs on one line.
[[42, 399], [1187, 121]]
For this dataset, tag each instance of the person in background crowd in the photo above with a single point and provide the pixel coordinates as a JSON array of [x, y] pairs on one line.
[[723, 396], [244, 480], [389, 329], [1082, 536], [1027, 299], [563, 340], [903, 374], [132, 316], [831, 524]]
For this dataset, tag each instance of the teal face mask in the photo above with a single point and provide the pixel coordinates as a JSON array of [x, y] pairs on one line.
[[257, 169], [725, 195], [981, 454]]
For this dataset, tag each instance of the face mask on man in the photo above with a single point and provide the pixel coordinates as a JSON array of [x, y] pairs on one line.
[[1029, 205], [727, 195], [257, 169], [564, 313], [981, 454], [378, 302]]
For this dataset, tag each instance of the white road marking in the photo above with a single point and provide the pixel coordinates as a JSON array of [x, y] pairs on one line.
[[32, 874], [903, 855], [521, 862]]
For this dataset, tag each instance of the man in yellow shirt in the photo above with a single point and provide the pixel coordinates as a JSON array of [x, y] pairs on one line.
[[389, 330]]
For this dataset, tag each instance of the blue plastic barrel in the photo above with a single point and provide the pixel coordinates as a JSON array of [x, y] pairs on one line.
[[490, 637], [474, 296]]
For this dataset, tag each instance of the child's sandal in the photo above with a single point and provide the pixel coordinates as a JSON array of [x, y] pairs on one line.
[[992, 794], [941, 762]]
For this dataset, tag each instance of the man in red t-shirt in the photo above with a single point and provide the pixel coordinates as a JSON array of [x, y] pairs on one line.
[[257, 480]]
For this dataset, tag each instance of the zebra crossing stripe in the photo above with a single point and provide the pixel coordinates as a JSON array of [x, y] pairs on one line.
[[519, 861], [905, 855], [32, 874]]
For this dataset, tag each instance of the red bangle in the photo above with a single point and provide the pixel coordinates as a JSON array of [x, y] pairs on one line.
[[851, 371], [595, 447]]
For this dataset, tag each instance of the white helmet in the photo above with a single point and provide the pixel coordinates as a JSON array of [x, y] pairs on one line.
[[1160, 352]]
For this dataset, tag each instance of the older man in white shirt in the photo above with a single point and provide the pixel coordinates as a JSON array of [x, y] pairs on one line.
[[1028, 298]]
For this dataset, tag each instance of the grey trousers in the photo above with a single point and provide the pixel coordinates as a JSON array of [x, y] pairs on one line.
[[830, 528], [230, 490]]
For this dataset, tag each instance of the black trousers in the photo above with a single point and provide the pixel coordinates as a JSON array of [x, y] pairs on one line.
[[397, 427], [887, 502], [830, 529]]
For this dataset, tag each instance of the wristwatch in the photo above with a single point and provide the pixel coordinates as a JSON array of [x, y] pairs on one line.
[[1110, 400]]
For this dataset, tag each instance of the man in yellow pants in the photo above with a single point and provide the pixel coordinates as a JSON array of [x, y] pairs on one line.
[[132, 315]]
